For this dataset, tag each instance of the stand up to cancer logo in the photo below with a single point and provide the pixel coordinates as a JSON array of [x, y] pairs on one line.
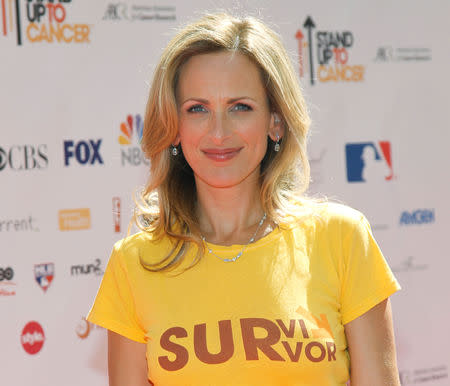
[[325, 55], [46, 22]]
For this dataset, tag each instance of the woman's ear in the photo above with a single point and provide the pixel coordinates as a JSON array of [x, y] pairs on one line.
[[176, 141], [276, 129]]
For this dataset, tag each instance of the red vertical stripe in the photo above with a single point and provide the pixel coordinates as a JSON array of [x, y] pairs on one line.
[[4, 17], [386, 149]]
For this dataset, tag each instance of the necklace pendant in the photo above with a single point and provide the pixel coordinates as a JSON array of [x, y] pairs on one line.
[[233, 259]]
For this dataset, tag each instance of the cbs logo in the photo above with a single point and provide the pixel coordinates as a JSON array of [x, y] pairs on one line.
[[6, 274]]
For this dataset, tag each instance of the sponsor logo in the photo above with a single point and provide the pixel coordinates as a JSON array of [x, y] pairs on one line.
[[74, 219], [23, 157], [325, 55], [306, 339], [130, 138], [44, 274], [86, 269], [84, 152], [7, 287], [379, 227], [32, 337], [84, 328], [408, 265], [42, 21], [27, 224], [425, 375], [134, 12], [116, 211], [402, 54], [417, 217], [369, 161]]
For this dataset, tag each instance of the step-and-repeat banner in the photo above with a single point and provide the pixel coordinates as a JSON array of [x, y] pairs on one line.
[[74, 78]]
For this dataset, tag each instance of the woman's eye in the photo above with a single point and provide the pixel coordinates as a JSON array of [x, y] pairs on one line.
[[196, 109], [241, 107]]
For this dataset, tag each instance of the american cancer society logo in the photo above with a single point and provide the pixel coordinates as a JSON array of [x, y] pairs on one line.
[[369, 161]]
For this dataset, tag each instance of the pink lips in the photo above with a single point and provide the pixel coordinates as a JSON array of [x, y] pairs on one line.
[[221, 155]]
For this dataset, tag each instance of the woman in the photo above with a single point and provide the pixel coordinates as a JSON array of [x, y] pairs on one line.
[[235, 278]]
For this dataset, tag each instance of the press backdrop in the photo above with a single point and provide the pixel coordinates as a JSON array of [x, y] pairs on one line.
[[74, 78]]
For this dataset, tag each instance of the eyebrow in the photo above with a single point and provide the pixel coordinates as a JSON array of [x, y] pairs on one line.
[[205, 101]]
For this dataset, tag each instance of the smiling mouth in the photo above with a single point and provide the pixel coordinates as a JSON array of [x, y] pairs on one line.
[[221, 154]]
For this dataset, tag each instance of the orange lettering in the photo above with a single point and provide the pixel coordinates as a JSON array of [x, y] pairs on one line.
[[32, 37], [182, 355], [358, 73], [331, 349], [55, 33], [294, 357], [44, 34], [308, 351], [81, 33], [252, 344], [66, 38], [303, 328], [226, 343], [323, 77], [289, 333]]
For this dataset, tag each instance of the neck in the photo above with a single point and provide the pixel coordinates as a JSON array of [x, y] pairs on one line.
[[229, 215]]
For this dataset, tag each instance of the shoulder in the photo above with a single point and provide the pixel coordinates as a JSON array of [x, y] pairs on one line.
[[336, 213], [328, 216], [142, 244]]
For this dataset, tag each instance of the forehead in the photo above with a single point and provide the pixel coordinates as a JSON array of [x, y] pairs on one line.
[[221, 75]]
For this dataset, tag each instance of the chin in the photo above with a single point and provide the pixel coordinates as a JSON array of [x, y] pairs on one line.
[[221, 183], [227, 180]]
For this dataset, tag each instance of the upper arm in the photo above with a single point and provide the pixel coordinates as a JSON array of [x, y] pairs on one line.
[[127, 363], [371, 346]]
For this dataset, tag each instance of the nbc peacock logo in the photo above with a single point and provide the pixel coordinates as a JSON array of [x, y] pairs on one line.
[[130, 138], [131, 129]]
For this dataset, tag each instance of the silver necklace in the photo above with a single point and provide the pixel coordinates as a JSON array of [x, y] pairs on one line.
[[252, 239]]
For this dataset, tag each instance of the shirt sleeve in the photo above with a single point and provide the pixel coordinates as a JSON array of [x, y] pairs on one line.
[[368, 279], [114, 305]]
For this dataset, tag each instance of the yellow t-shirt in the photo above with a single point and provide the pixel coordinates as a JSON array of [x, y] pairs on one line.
[[273, 317]]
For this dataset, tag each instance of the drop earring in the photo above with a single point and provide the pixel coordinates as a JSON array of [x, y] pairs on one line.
[[174, 151], [277, 144]]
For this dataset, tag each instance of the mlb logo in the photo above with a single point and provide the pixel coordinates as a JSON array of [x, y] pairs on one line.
[[44, 273], [369, 161]]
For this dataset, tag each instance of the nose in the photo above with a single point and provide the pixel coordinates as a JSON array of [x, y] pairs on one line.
[[220, 127]]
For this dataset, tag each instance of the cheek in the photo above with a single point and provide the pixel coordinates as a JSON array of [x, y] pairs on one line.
[[256, 135], [188, 132], [189, 139]]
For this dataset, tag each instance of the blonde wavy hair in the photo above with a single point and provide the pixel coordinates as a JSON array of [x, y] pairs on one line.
[[167, 205]]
